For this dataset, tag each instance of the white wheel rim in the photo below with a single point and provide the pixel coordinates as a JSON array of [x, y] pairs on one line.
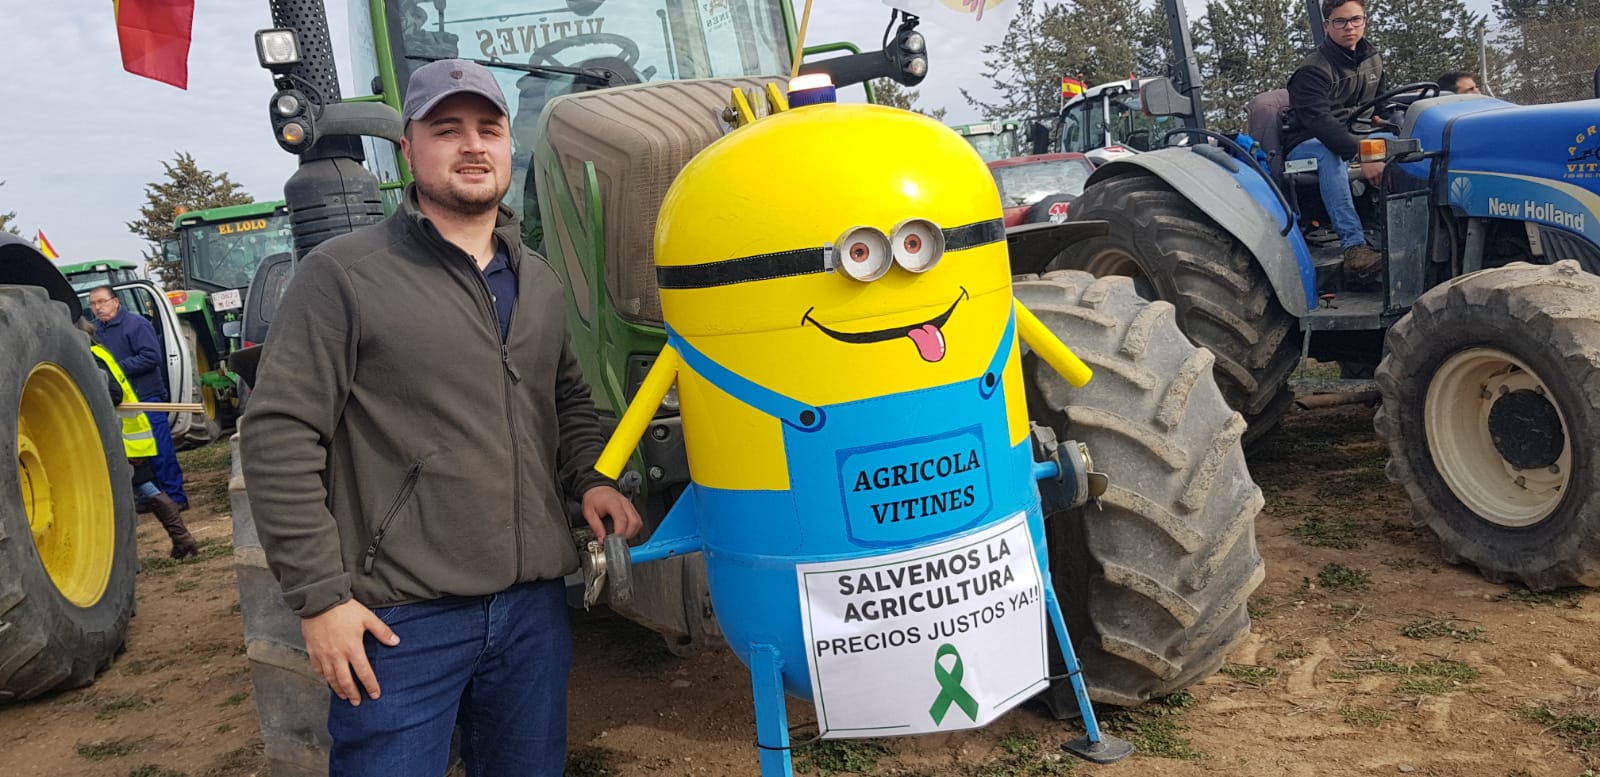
[[1456, 419]]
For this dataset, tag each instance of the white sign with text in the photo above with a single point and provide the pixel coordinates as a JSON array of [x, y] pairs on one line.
[[939, 638]]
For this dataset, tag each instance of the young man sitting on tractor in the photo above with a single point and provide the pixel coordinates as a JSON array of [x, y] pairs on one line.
[[1331, 84]]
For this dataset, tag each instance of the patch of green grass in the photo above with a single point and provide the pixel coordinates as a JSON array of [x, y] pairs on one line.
[[235, 700], [1564, 598], [185, 586], [1381, 664], [840, 756], [1153, 727], [211, 493], [590, 762], [100, 751], [1449, 670], [1021, 755], [135, 667], [1429, 628], [1424, 686], [224, 728], [1364, 716], [1294, 651], [151, 770], [1337, 577], [1409, 564], [215, 457], [211, 548], [1581, 731], [106, 709], [1258, 607], [1341, 532], [1342, 674], [1254, 676]]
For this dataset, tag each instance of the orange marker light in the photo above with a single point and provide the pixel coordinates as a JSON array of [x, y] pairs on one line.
[[1374, 150]]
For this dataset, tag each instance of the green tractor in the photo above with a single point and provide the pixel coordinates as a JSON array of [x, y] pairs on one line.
[[609, 100], [219, 250], [994, 140], [67, 553]]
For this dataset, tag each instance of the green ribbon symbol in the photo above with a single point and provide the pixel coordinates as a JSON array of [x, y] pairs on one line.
[[950, 690]]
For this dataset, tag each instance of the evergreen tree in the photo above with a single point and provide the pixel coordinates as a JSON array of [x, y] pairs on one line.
[[1246, 47], [7, 220], [1026, 67], [194, 189], [1423, 39], [892, 93], [1549, 50]]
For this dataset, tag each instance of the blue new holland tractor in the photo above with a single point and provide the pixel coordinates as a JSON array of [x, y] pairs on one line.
[[1482, 329]]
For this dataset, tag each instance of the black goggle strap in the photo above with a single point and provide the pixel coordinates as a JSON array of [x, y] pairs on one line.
[[802, 261]]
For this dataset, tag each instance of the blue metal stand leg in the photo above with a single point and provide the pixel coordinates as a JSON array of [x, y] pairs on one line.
[[772, 717], [1094, 746]]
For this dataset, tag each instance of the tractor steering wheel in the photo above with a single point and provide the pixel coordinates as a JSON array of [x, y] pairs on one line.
[[627, 50], [1366, 121]]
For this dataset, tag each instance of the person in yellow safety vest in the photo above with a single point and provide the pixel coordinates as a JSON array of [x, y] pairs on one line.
[[139, 445]]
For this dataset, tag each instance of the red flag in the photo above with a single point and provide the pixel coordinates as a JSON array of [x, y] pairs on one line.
[[154, 35], [1071, 87]]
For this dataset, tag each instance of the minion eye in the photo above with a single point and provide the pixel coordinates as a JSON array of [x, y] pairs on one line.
[[918, 244], [863, 254]]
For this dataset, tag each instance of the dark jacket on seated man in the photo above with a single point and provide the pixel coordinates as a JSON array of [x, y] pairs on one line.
[[1330, 85]]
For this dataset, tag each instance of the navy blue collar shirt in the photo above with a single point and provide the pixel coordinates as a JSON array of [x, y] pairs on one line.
[[502, 282]]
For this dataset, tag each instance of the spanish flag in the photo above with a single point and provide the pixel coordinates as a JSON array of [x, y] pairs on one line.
[[154, 36], [45, 248], [1072, 87]]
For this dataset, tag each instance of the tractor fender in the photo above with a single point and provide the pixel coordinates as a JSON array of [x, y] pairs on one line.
[[22, 265], [1241, 203]]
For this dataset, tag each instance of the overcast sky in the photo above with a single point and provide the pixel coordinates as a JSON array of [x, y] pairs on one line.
[[82, 137]]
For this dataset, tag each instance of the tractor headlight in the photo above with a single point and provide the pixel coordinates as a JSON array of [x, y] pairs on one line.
[[277, 49]]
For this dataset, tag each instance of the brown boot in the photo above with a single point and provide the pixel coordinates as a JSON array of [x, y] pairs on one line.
[[1362, 259], [167, 513]]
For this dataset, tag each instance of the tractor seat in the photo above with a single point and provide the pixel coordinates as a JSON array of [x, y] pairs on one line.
[[1266, 119]]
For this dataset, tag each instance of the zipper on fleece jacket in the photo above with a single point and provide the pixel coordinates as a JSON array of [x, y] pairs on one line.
[[413, 473], [486, 303]]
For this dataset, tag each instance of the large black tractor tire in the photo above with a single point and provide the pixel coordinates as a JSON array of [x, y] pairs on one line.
[[67, 554], [291, 698], [1154, 581], [1491, 405], [1224, 301], [193, 430]]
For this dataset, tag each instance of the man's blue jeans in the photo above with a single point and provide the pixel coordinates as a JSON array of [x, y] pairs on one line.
[[495, 664], [169, 476], [1333, 180]]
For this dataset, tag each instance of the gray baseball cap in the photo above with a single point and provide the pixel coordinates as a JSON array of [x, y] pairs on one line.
[[435, 81]]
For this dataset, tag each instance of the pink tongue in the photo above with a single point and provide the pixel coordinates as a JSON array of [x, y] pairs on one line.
[[929, 340]]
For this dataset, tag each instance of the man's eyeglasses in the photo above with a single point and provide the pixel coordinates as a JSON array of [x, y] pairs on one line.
[[1353, 21]]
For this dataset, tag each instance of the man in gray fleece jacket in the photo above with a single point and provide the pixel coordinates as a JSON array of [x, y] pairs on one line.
[[419, 420]]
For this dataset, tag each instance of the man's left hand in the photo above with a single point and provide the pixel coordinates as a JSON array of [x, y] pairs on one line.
[[1372, 171], [606, 502]]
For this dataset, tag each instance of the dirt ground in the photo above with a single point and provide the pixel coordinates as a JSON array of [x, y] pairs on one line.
[[1368, 656]]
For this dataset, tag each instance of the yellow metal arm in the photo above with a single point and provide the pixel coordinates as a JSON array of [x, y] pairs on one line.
[[643, 408], [1054, 352]]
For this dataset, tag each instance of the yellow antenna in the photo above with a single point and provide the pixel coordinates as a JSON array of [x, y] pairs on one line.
[[800, 43]]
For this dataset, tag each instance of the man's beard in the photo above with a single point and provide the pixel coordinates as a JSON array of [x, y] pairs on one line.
[[475, 202]]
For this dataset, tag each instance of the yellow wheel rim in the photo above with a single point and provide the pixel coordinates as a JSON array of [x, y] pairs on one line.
[[66, 486], [208, 397], [1460, 397]]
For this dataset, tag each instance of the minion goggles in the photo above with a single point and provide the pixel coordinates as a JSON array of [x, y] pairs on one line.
[[867, 255]]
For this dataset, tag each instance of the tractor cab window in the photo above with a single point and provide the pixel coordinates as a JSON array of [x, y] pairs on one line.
[[635, 40], [224, 255], [1113, 117]]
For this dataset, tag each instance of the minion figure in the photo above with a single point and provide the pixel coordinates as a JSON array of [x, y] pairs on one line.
[[841, 329]]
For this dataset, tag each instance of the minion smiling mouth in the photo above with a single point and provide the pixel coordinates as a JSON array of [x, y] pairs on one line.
[[926, 336]]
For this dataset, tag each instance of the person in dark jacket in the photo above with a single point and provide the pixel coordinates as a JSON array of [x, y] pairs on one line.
[[133, 341], [139, 445], [418, 422], [1331, 84]]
